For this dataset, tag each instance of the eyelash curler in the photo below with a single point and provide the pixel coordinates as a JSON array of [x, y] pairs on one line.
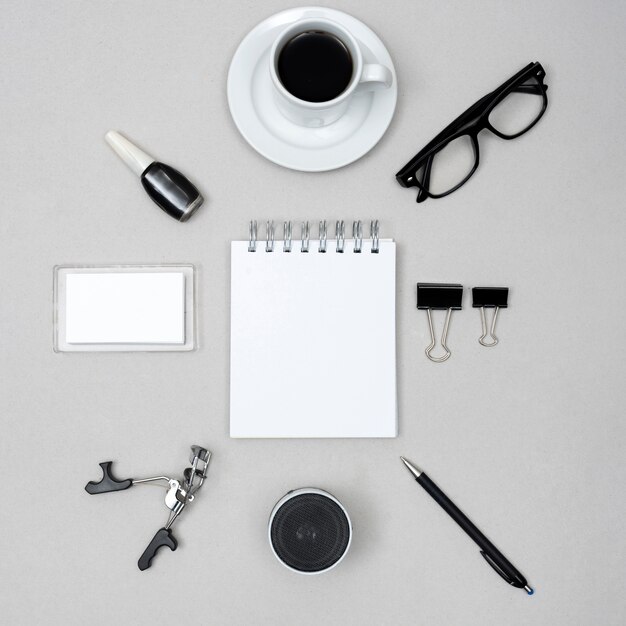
[[179, 494]]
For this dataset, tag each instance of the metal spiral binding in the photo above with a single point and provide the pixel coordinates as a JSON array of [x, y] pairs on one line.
[[286, 236], [305, 236], [322, 236], [340, 235], [374, 236], [269, 242], [357, 235], [252, 239]]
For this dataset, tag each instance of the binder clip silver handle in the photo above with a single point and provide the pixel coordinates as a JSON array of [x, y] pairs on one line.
[[492, 331], [444, 338]]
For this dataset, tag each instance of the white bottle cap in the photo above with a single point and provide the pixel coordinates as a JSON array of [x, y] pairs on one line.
[[133, 156]]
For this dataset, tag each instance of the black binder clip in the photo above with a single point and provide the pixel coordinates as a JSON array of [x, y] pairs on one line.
[[441, 296], [179, 494], [489, 298]]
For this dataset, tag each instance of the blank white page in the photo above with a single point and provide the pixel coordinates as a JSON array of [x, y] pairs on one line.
[[313, 341], [133, 308]]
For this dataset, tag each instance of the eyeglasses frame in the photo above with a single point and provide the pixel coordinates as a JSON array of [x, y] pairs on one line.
[[471, 122]]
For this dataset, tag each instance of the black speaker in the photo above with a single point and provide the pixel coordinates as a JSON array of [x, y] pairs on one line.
[[309, 531]]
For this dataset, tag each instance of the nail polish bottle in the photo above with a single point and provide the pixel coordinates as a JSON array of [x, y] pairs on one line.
[[166, 186]]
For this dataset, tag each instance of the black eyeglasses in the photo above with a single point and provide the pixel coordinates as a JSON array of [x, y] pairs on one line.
[[450, 159]]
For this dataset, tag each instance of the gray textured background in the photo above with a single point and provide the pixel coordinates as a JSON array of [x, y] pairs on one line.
[[527, 437]]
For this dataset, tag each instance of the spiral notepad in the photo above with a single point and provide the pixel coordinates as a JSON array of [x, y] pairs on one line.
[[313, 339]]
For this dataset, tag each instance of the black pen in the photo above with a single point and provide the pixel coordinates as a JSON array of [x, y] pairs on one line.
[[492, 555]]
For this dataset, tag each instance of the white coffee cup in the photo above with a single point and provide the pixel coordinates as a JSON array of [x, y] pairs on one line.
[[365, 76]]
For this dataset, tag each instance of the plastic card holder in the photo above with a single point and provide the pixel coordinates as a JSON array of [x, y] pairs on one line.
[[124, 308]]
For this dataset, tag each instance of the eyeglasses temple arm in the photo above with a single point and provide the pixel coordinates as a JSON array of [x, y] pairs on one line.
[[534, 89], [425, 184]]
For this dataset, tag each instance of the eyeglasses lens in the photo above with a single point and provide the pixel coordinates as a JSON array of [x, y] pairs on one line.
[[519, 110], [451, 166]]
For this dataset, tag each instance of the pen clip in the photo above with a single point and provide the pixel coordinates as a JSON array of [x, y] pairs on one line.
[[496, 568]]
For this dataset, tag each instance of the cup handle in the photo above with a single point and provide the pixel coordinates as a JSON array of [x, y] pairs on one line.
[[375, 77]]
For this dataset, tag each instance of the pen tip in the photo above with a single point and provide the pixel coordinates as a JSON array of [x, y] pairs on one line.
[[529, 590], [416, 471]]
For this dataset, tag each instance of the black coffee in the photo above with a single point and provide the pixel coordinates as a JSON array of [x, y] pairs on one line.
[[315, 66]]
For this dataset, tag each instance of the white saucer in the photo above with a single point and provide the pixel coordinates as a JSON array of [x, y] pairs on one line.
[[251, 101]]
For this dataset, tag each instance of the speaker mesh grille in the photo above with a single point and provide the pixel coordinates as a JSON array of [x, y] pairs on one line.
[[310, 532]]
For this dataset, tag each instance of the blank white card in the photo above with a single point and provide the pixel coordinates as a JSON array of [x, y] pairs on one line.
[[313, 341], [125, 308]]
